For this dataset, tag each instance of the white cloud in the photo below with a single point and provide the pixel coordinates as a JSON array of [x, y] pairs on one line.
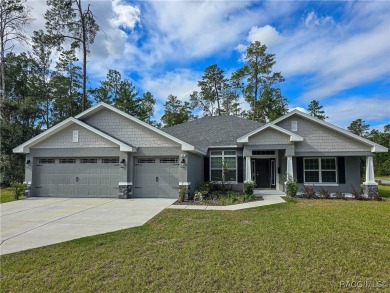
[[313, 19], [343, 112], [267, 35], [126, 15]]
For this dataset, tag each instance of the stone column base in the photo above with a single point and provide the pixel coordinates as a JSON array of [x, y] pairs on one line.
[[125, 190], [371, 191], [27, 190]]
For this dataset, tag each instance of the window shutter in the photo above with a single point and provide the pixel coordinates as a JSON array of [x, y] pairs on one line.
[[299, 161], [206, 169], [341, 169], [240, 169]]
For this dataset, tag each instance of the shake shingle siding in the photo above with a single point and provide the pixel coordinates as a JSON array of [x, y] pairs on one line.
[[127, 131], [318, 138], [269, 137]]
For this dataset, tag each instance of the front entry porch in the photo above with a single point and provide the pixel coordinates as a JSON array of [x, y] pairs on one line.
[[264, 172]]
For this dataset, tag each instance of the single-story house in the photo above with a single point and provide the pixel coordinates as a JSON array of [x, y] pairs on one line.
[[104, 152]]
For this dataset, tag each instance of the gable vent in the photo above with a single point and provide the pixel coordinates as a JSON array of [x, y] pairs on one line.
[[294, 125], [75, 137]]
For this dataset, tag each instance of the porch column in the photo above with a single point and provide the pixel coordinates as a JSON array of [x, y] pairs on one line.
[[290, 169], [370, 186], [248, 168]]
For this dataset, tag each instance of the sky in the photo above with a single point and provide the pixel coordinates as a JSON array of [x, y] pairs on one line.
[[337, 52]]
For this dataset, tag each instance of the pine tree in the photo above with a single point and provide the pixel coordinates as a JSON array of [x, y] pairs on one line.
[[315, 110]]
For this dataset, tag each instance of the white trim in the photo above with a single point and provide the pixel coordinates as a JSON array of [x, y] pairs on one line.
[[375, 148], [293, 137], [222, 146], [184, 183], [322, 184], [184, 146], [125, 183], [25, 147], [75, 136]]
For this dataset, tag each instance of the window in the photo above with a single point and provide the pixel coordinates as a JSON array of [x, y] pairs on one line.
[[46, 161], [146, 160], [320, 170], [263, 153], [169, 160], [110, 161], [223, 166], [88, 161], [67, 161]]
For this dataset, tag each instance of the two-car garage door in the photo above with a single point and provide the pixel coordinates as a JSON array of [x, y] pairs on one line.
[[77, 177], [99, 177]]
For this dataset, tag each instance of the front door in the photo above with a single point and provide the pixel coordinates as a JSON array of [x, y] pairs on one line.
[[264, 173]]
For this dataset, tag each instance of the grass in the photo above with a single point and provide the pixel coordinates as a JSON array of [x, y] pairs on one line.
[[6, 195], [384, 190], [382, 177], [299, 246]]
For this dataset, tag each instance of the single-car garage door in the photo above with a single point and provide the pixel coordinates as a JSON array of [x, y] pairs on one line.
[[156, 177], [77, 177]]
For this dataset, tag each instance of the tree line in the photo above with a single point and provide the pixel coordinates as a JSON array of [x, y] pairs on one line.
[[37, 94]]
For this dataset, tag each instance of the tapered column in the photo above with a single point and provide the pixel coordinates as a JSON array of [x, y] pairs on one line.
[[290, 171], [370, 186], [248, 169]]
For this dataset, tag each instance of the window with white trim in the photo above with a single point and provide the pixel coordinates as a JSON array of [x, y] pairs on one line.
[[320, 170], [223, 166]]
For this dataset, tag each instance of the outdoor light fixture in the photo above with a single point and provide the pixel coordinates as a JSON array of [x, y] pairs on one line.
[[123, 163], [183, 161], [28, 162]]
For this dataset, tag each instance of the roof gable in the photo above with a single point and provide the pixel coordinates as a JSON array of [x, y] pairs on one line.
[[103, 106], [25, 147], [374, 146], [292, 136]]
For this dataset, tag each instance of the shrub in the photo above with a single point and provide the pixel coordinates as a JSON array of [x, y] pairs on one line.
[[204, 188], [198, 196], [339, 195], [309, 191], [324, 193], [18, 189], [358, 195], [291, 186], [249, 186], [183, 190]]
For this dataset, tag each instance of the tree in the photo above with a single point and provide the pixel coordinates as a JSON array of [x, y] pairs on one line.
[[41, 50], [212, 88], [258, 84], [109, 88], [69, 20], [146, 108], [23, 115], [66, 87], [359, 127], [381, 160], [14, 17], [315, 110], [176, 112]]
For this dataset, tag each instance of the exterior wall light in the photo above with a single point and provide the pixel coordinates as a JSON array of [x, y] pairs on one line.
[[123, 163], [183, 160], [28, 162]]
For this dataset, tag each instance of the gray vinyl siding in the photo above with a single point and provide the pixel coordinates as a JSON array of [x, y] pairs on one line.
[[63, 139], [318, 138], [269, 137], [195, 170], [126, 130]]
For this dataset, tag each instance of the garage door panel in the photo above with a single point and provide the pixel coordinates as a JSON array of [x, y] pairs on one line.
[[94, 179], [145, 173]]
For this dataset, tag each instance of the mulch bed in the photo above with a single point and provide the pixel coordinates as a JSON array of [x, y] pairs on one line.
[[211, 202]]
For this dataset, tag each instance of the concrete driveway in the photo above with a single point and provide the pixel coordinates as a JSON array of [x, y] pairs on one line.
[[37, 222]]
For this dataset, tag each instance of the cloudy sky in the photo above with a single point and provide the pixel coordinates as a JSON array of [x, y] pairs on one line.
[[335, 52]]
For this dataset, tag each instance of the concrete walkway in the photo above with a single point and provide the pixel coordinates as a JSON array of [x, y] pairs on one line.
[[270, 197], [37, 222]]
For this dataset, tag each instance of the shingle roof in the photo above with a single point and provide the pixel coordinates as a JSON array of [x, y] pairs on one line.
[[212, 131]]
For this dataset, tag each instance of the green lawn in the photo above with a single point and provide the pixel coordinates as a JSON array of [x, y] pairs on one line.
[[300, 246], [6, 195], [384, 190], [382, 177]]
